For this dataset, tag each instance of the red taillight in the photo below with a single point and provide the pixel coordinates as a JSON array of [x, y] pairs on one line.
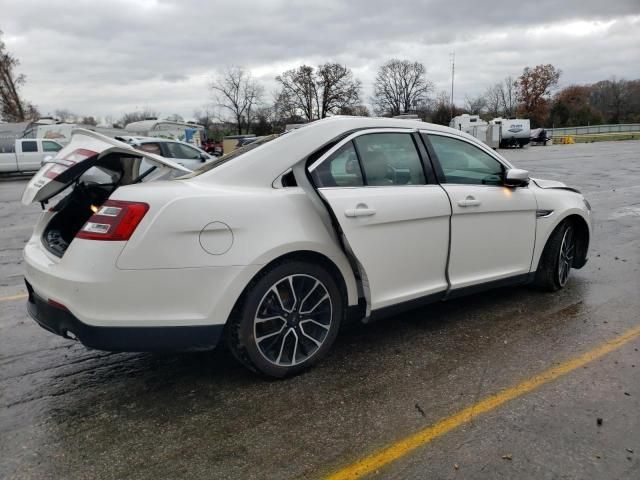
[[114, 220], [61, 165]]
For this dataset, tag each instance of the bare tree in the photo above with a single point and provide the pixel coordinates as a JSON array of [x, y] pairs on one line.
[[13, 108], [137, 116], [400, 86], [508, 97], [65, 116], [493, 100], [442, 109], [205, 116], [238, 93], [337, 87], [611, 97], [285, 110], [89, 121], [475, 105], [318, 93], [175, 117], [299, 92], [109, 121], [355, 111]]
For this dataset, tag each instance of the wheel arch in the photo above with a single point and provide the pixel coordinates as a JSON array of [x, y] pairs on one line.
[[582, 239], [346, 283], [583, 230]]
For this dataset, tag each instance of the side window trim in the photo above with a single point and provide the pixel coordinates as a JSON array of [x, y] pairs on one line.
[[363, 173], [427, 166], [433, 158], [425, 158], [353, 135], [438, 166]]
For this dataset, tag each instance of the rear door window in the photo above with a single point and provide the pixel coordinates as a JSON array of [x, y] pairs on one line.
[[178, 150], [341, 169], [390, 159]]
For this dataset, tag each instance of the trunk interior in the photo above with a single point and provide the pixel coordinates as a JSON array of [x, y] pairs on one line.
[[71, 214], [89, 192]]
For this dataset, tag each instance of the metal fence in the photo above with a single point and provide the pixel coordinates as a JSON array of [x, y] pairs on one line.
[[592, 129]]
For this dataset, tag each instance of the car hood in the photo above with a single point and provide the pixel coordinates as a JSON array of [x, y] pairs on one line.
[[552, 184], [84, 150]]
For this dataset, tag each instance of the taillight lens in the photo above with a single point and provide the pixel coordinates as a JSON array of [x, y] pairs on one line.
[[114, 220], [61, 165]]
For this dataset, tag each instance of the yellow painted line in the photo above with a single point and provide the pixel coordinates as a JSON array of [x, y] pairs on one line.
[[406, 445], [20, 296]]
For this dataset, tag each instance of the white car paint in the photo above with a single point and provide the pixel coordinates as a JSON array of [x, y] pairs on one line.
[[207, 235]]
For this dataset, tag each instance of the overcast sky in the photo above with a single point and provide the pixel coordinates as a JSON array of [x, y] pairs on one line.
[[108, 57]]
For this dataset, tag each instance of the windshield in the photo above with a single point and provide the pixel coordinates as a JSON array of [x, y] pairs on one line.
[[230, 156]]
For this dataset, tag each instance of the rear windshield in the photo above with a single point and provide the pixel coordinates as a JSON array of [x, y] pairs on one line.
[[230, 156]]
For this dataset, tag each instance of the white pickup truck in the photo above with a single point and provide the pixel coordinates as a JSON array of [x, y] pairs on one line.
[[26, 154]]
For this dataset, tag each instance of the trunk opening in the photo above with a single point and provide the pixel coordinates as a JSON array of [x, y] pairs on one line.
[[72, 212], [90, 191]]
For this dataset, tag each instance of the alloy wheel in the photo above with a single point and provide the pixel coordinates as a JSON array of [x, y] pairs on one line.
[[292, 320], [565, 257]]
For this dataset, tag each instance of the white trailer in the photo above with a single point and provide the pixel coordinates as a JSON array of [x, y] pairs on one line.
[[61, 132], [514, 132], [26, 154], [184, 131], [474, 125]]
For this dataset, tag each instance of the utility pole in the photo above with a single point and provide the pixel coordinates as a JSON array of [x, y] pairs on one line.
[[452, 55]]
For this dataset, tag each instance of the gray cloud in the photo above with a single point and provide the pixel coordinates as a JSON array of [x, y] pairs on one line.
[[101, 58]]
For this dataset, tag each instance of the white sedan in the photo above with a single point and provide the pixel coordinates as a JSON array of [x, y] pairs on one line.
[[275, 245]]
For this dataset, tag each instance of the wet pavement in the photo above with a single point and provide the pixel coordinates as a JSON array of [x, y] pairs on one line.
[[67, 412]]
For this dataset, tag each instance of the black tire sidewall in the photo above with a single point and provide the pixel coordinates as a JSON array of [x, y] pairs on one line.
[[548, 275], [252, 302]]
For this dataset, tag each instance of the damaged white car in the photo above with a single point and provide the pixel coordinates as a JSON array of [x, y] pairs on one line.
[[275, 245]]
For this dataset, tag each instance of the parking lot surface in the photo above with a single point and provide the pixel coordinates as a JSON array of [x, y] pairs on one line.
[[68, 412]]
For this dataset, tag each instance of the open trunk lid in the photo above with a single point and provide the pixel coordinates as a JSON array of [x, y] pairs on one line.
[[84, 150]]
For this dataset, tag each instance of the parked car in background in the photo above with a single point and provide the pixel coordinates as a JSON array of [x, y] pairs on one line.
[[276, 244], [186, 155], [26, 155]]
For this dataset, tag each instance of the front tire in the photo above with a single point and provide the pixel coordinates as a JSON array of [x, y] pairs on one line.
[[288, 319], [557, 258]]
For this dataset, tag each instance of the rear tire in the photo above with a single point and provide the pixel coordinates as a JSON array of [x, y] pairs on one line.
[[557, 258], [288, 319]]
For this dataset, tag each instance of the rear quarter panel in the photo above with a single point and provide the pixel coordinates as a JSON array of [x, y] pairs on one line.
[[265, 223]]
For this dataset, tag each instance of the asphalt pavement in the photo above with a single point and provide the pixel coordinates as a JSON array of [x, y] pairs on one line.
[[72, 413]]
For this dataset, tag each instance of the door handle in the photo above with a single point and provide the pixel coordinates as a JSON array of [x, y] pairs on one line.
[[361, 210], [470, 201]]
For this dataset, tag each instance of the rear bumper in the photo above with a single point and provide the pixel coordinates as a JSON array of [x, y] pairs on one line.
[[60, 321]]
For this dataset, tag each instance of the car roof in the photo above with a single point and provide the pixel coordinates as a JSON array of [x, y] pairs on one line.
[[264, 163]]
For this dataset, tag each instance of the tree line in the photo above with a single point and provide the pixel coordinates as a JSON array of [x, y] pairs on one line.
[[535, 95]]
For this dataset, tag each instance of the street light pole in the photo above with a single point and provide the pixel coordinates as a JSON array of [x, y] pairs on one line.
[[453, 72]]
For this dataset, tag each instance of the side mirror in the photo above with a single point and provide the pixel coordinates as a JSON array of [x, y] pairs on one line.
[[516, 177]]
